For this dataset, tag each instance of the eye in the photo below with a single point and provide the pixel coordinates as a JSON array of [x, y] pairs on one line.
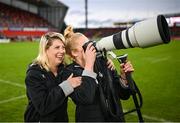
[[63, 47], [57, 47], [60, 47]]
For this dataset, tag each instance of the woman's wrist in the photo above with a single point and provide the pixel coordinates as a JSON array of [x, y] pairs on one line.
[[123, 77], [89, 67]]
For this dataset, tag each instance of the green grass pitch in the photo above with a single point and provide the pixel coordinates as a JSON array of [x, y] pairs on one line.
[[157, 74]]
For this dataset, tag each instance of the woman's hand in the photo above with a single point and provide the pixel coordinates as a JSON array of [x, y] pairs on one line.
[[90, 57], [74, 81], [127, 67], [110, 64]]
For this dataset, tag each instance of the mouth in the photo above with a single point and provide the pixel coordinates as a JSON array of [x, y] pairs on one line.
[[60, 56]]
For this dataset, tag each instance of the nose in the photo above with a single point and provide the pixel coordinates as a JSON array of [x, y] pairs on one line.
[[62, 50]]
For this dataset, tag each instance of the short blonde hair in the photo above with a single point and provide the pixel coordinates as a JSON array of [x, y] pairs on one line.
[[45, 42]]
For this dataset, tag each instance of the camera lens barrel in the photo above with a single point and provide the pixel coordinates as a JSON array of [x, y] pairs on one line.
[[147, 33]]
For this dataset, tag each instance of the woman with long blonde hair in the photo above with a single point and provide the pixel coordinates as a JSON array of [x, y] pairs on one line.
[[46, 91]]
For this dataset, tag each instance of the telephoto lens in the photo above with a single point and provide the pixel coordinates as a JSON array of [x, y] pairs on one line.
[[146, 33]]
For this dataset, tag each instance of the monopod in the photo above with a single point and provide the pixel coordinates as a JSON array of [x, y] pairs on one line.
[[132, 86], [134, 90]]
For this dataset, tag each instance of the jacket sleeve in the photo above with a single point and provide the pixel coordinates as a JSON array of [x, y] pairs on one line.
[[43, 98], [123, 92], [85, 93]]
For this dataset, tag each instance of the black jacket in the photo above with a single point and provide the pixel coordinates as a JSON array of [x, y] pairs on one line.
[[89, 101], [46, 100]]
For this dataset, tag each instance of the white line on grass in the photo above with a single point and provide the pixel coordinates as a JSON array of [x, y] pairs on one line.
[[160, 60], [150, 117], [155, 118], [12, 99], [12, 83], [23, 96], [156, 60]]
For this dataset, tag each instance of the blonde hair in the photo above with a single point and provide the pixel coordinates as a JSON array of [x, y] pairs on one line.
[[45, 42], [71, 39]]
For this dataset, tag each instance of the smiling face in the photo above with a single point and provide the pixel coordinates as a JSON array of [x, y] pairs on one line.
[[55, 52]]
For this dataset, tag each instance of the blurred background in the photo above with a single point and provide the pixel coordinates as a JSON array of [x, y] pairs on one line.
[[22, 19], [157, 73]]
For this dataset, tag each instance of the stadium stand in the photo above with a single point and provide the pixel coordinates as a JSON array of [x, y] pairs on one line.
[[14, 17], [20, 19], [99, 32], [174, 24], [94, 33]]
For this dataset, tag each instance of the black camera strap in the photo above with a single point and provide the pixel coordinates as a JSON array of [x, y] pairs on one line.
[[110, 106]]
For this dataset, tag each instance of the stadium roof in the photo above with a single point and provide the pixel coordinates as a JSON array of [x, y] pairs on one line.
[[53, 11], [44, 2]]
